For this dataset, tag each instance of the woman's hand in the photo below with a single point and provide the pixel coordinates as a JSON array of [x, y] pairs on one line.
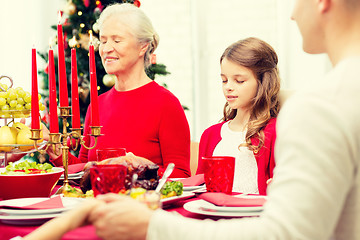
[[120, 218]]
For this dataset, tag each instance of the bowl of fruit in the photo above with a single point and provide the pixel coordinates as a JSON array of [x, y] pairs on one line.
[[28, 179], [15, 138], [15, 102]]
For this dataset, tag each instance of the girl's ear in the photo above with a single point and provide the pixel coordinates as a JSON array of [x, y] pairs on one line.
[[324, 5]]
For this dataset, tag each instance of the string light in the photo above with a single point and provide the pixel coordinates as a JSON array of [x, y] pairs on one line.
[[79, 13], [82, 25]]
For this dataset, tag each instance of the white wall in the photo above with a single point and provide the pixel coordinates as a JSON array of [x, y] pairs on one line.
[[24, 24], [193, 35]]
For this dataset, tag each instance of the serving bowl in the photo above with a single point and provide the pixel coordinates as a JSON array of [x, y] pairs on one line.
[[29, 185]]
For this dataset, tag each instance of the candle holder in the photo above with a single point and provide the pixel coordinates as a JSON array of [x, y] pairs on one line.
[[58, 141]]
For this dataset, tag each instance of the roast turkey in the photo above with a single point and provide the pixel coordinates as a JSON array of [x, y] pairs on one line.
[[146, 170]]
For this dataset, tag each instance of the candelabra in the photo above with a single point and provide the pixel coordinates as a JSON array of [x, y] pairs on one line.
[[56, 139]]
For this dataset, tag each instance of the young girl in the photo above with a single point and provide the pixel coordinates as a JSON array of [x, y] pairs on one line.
[[251, 85]]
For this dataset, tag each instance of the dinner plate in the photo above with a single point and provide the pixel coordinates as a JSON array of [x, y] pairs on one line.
[[193, 188], [27, 219], [203, 207], [188, 188], [213, 207], [73, 176], [183, 196], [68, 203]]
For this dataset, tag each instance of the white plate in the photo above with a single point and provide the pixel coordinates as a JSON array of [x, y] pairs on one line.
[[169, 200], [213, 207], [27, 219], [202, 207], [193, 188], [188, 188], [68, 203], [73, 176]]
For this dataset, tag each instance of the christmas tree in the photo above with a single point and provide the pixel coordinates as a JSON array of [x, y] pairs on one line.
[[79, 18]]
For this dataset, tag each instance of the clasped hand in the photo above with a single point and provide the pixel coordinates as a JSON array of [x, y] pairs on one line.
[[113, 216]]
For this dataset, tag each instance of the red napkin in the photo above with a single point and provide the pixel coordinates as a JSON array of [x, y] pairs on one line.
[[195, 180], [50, 203], [75, 168], [224, 200]]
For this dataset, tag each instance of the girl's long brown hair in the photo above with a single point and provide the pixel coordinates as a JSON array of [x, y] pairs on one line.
[[262, 60]]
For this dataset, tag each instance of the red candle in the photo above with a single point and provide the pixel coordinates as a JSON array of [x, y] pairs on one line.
[[54, 124], [63, 92], [95, 121], [35, 116], [74, 91]]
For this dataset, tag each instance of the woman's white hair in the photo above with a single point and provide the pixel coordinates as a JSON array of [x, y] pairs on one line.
[[137, 21]]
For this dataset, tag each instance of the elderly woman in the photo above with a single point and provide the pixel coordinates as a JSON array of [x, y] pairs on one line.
[[137, 113]]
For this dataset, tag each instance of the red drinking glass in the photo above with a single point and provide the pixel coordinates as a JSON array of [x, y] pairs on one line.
[[105, 153], [219, 173], [107, 178]]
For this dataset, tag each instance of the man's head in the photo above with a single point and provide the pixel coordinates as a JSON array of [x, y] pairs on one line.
[[328, 26], [306, 15]]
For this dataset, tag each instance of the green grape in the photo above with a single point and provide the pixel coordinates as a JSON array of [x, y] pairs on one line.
[[4, 86], [10, 90], [41, 107], [20, 100], [12, 95], [2, 101], [3, 94], [19, 107], [28, 106], [27, 97], [13, 103], [8, 100], [5, 107], [20, 92]]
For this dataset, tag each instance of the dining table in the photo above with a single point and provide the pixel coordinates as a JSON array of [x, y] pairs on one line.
[[8, 231]]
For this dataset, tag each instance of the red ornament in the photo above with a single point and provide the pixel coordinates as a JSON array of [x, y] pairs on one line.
[[66, 22], [46, 118], [66, 45], [46, 70], [137, 3], [86, 3]]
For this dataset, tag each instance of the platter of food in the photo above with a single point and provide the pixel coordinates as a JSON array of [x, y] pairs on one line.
[[16, 138], [171, 200], [21, 148], [15, 113]]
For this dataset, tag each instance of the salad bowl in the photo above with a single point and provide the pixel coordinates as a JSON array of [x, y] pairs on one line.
[[28, 185]]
